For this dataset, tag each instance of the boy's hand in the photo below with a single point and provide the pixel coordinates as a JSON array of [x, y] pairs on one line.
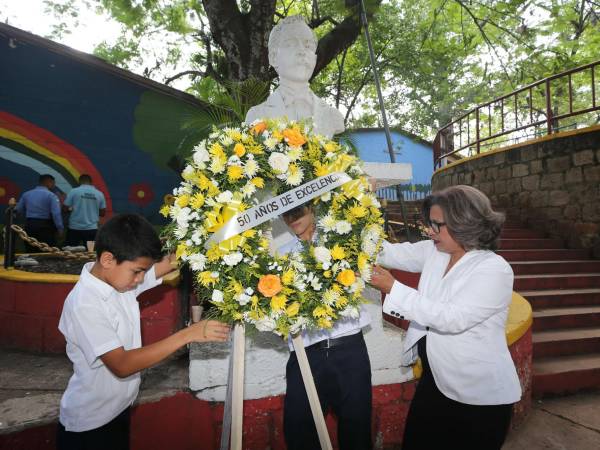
[[209, 330]]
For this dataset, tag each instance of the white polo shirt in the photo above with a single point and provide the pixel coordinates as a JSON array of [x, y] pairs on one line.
[[95, 320]]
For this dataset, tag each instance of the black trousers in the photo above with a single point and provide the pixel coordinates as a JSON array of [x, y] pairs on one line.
[[112, 436], [77, 237], [41, 229], [342, 377], [434, 421]]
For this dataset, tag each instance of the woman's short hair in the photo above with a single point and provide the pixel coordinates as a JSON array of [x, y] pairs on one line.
[[468, 215]]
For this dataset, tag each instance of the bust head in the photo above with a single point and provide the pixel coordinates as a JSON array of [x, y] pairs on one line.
[[292, 47]]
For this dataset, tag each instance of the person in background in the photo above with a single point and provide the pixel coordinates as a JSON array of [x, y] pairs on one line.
[[457, 323], [41, 210], [101, 324], [86, 205], [340, 366]]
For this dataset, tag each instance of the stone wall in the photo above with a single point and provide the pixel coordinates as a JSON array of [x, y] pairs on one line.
[[552, 184]]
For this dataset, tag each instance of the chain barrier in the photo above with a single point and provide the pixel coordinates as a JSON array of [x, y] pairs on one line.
[[48, 249]]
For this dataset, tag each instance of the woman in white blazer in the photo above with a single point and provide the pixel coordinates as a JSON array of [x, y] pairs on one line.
[[457, 324]]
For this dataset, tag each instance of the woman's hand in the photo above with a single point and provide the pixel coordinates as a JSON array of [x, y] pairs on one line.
[[381, 279], [208, 330]]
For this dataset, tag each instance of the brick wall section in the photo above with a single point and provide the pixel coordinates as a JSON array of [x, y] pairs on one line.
[[552, 185], [30, 311]]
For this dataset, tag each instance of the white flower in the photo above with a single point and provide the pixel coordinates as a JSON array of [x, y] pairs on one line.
[[188, 171], [314, 281], [357, 286], [248, 190], [243, 299], [327, 222], [226, 140], [250, 168], [197, 235], [279, 162], [265, 324], [201, 156], [323, 255], [217, 165], [232, 259], [343, 227], [295, 153], [299, 325], [181, 216], [294, 177], [225, 197], [366, 272], [217, 296], [351, 312], [271, 142], [197, 261], [233, 160], [326, 197]]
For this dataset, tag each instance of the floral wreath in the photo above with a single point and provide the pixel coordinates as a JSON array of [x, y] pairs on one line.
[[228, 174]]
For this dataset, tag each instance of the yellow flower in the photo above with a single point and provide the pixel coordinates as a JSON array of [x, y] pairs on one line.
[[197, 201], [181, 250], [217, 150], [366, 201], [293, 309], [258, 182], [331, 146], [338, 252], [206, 278], [293, 137], [288, 277], [320, 169], [183, 200], [278, 302], [324, 323], [357, 211], [327, 274], [235, 135], [319, 311], [362, 261], [277, 135], [237, 316], [239, 150], [341, 302], [214, 253], [164, 210], [249, 233], [235, 172], [346, 277]]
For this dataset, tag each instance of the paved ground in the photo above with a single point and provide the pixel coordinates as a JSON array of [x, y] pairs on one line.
[[31, 387]]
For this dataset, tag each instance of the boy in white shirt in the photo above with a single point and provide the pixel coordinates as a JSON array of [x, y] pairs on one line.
[[101, 324]]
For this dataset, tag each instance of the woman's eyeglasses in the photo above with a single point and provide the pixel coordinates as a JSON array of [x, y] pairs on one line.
[[435, 226]]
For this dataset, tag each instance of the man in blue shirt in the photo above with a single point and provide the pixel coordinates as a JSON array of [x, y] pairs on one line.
[[41, 209], [86, 204]]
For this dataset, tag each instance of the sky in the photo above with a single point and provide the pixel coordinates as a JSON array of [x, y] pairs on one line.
[[30, 15]]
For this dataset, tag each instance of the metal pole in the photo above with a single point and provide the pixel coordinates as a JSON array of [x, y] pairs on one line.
[[388, 137], [9, 235]]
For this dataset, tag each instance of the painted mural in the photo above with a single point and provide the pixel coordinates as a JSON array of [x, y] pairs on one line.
[[66, 113]]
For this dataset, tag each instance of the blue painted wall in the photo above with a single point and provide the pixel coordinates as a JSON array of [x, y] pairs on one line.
[[372, 147]]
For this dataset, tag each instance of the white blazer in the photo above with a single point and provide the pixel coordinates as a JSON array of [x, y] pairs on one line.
[[464, 317]]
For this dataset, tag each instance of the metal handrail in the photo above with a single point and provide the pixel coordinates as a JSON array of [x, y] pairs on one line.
[[449, 141]]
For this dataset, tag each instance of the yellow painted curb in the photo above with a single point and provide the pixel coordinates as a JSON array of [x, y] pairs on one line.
[[520, 318], [171, 279]]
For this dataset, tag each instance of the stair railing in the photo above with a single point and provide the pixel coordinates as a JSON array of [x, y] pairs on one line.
[[539, 106]]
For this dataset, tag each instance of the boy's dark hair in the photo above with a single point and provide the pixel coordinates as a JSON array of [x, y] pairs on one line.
[[45, 177], [128, 237]]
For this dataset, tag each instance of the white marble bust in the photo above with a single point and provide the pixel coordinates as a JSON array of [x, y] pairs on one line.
[[292, 47]]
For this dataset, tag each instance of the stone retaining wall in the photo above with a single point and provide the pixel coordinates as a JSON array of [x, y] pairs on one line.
[[552, 184]]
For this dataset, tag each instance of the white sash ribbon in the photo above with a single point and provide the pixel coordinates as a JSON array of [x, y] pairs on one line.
[[276, 206]]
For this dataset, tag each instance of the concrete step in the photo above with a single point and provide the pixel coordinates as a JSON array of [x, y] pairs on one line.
[[561, 318], [555, 298], [544, 254], [566, 342], [548, 267], [566, 374], [530, 243], [557, 281], [520, 233]]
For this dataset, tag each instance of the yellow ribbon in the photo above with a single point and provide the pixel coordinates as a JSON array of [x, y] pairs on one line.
[[219, 216]]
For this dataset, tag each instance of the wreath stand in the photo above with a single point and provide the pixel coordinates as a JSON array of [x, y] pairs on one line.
[[231, 433]]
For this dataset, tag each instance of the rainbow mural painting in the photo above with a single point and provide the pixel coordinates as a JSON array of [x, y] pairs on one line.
[[25, 144]]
